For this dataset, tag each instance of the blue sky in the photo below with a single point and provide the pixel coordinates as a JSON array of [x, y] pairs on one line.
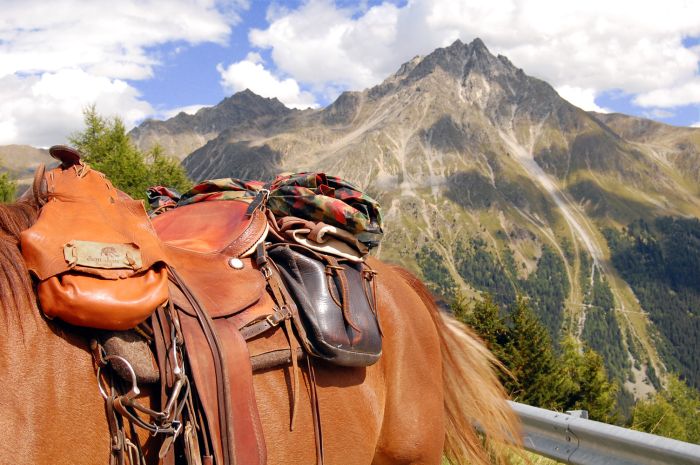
[[152, 58]]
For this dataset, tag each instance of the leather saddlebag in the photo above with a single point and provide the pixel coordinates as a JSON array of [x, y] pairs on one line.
[[97, 258], [336, 304]]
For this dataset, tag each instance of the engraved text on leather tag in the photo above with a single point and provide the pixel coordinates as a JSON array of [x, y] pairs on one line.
[[102, 255]]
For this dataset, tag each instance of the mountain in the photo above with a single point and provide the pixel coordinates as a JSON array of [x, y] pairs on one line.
[[491, 182], [20, 161], [184, 133]]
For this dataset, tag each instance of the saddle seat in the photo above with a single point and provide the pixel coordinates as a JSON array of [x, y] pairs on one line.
[[209, 227]]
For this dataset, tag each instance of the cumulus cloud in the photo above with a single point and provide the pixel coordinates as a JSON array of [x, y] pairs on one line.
[[42, 110], [582, 48], [684, 94], [58, 57], [252, 74], [188, 109], [582, 98], [103, 37]]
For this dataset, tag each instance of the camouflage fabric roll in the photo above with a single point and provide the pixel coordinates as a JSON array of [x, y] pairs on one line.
[[312, 196]]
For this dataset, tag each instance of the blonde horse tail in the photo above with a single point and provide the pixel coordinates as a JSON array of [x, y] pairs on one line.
[[473, 396]]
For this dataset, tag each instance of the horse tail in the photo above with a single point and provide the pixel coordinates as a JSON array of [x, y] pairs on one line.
[[473, 396]]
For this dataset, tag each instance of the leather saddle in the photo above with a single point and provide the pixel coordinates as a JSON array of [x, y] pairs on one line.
[[225, 295], [214, 284]]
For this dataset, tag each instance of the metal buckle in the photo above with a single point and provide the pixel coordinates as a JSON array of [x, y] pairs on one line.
[[271, 322]]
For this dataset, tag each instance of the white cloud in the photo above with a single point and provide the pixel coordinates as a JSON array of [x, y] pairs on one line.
[[251, 74], [582, 98], [58, 57], [585, 47], [43, 110], [189, 109], [686, 93], [695, 125], [103, 37]]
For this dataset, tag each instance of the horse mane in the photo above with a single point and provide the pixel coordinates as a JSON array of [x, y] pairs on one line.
[[16, 292], [474, 397]]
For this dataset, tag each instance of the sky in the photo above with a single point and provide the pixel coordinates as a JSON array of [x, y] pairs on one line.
[[140, 59]]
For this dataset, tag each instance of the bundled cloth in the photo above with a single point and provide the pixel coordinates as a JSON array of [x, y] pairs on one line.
[[314, 197]]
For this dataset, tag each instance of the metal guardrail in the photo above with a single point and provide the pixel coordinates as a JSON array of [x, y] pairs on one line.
[[575, 440]]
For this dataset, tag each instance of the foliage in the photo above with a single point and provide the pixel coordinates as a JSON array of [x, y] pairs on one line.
[[434, 271], [485, 318], [106, 146], [548, 287], [533, 362], [602, 331], [591, 388], [481, 269], [672, 412], [575, 379], [8, 188], [661, 261]]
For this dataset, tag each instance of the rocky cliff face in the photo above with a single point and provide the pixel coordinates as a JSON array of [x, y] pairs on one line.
[[489, 182]]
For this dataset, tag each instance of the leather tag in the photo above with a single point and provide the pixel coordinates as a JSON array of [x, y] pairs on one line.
[[102, 255]]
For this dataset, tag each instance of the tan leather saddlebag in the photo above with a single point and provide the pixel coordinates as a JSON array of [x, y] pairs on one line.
[[97, 258]]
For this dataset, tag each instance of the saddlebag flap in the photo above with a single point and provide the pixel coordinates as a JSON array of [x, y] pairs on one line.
[[336, 304], [97, 258]]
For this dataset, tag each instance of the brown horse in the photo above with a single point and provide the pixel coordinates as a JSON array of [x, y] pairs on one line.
[[435, 380]]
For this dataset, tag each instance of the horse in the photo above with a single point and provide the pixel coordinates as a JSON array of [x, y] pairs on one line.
[[434, 383]]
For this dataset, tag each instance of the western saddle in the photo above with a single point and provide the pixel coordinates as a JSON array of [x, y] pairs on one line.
[[92, 244]]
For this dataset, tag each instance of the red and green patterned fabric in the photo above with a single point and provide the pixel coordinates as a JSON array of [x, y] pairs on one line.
[[311, 196]]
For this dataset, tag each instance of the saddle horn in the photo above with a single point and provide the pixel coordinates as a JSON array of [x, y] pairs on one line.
[[68, 156]]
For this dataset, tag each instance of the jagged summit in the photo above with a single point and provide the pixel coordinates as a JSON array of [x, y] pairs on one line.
[[460, 59], [184, 133], [248, 97]]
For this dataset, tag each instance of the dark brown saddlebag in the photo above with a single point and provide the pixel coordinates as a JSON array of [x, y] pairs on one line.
[[336, 304]]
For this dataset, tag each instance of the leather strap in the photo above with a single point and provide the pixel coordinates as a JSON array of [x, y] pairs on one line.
[[316, 412], [220, 368], [265, 323]]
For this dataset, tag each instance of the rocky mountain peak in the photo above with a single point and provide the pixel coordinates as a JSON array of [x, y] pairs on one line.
[[249, 99], [460, 59], [184, 133]]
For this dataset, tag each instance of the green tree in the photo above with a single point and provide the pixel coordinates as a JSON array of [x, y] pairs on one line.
[[8, 188], [673, 412], [484, 317], [106, 146], [589, 387], [533, 361]]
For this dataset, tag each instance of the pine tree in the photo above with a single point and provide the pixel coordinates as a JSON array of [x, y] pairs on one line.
[[484, 318], [106, 147], [8, 188], [589, 388], [534, 363]]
